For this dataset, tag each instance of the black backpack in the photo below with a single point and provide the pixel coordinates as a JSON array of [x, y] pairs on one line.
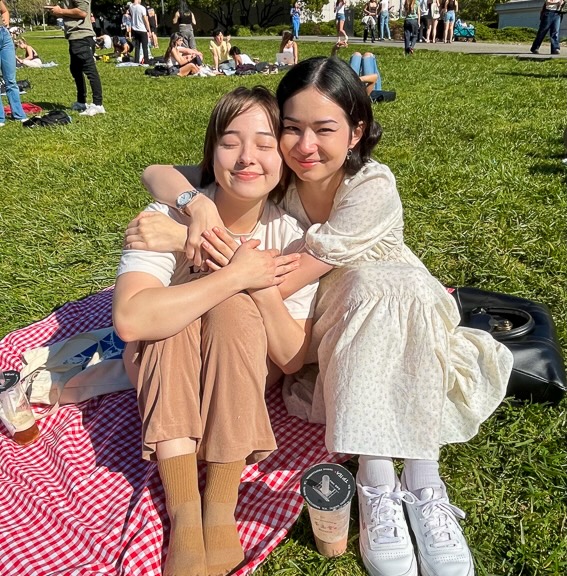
[[53, 118]]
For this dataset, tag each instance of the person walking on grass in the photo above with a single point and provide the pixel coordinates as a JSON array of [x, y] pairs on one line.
[[550, 21], [79, 32], [8, 69], [141, 31]]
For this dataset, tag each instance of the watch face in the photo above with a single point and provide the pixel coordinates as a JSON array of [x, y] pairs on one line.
[[183, 199]]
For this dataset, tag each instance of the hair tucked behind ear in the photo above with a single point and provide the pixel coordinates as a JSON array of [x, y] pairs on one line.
[[226, 110], [336, 80]]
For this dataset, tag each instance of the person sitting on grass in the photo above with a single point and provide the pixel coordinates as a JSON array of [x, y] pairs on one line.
[[397, 376], [220, 48], [31, 58], [122, 47], [202, 345], [289, 45], [238, 58], [103, 42], [185, 59]]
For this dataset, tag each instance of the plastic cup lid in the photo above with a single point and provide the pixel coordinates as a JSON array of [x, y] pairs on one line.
[[327, 486], [11, 378]]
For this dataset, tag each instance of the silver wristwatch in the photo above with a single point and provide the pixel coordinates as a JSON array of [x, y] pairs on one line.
[[185, 198]]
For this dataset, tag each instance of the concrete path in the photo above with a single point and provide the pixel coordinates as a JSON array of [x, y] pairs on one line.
[[516, 50]]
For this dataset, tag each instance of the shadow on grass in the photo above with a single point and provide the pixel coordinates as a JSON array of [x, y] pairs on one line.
[[550, 167], [52, 105], [549, 76]]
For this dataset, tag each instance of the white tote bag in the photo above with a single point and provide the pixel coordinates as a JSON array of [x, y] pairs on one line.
[[81, 367]]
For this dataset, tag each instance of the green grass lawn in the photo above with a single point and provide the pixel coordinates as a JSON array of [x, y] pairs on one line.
[[475, 143]]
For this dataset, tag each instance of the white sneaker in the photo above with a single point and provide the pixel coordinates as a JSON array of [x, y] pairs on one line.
[[2, 124], [442, 548], [93, 109], [385, 544], [78, 107]]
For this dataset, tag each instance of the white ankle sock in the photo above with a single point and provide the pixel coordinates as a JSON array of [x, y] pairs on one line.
[[419, 474], [376, 471]]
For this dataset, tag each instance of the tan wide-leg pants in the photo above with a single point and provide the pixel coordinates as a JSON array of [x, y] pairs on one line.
[[207, 383]]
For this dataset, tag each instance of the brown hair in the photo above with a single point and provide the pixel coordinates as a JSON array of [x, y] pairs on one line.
[[172, 42], [286, 37], [226, 110]]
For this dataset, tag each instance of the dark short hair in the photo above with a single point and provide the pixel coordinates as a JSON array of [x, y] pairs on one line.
[[216, 32], [226, 110], [234, 50], [336, 80]]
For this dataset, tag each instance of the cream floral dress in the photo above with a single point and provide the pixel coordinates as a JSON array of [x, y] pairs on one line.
[[391, 373]]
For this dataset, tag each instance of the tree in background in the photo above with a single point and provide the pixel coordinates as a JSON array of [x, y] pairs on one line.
[[228, 13], [479, 10], [29, 11]]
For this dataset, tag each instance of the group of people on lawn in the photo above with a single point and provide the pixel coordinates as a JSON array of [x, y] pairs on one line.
[[281, 257]]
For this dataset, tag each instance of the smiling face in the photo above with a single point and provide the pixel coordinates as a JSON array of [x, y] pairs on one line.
[[316, 136], [247, 163]]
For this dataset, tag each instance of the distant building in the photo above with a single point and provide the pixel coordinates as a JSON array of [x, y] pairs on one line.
[[523, 13]]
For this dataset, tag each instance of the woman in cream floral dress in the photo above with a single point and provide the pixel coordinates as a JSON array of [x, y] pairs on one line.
[[392, 373]]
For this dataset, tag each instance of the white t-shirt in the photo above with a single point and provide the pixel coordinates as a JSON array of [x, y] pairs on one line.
[[384, 5], [106, 41], [137, 11], [276, 229], [244, 58]]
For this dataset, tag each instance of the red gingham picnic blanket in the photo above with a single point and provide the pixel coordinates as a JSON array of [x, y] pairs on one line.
[[81, 501]]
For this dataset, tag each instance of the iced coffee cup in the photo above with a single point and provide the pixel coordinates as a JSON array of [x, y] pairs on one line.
[[15, 411], [328, 490]]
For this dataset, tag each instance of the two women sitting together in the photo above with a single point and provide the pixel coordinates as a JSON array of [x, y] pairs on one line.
[[291, 259]]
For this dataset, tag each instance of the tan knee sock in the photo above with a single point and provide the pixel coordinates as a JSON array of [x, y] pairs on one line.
[[222, 543], [186, 553]]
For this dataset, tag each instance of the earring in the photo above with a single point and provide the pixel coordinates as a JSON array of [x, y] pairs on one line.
[[348, 155]]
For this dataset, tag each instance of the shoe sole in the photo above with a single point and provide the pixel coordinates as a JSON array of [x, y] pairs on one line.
[[372, 569], [425, 572]]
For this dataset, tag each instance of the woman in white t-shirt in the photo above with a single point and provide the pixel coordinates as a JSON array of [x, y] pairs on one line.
[[385, 19], [340, 6], [200, 344]]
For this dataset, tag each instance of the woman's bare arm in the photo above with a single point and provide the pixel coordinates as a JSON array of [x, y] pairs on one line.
[[165, 183], [144, 309], [288, 339]]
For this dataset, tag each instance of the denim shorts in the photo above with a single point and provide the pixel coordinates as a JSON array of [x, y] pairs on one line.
[[450, 16], [340, 17]]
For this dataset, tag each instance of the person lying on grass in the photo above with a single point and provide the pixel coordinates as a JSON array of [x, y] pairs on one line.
[[392, 373], [200, 345]]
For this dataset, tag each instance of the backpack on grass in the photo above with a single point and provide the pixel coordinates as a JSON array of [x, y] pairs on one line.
[[53, 118]]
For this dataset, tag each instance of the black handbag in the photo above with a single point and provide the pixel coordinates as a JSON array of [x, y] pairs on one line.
[[528, 330]]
